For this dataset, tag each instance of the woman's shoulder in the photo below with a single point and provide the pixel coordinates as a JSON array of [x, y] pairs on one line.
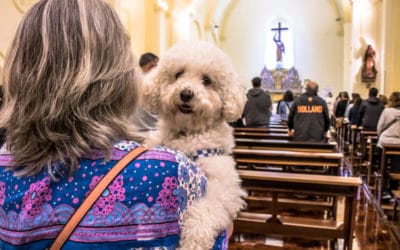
[[390, 111], [118, 151], [155, 153]]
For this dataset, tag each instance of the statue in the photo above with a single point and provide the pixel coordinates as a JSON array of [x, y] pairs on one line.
[[368, 72], [280, 46]]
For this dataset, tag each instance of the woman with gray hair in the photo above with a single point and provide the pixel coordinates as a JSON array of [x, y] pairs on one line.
[[69, 89]]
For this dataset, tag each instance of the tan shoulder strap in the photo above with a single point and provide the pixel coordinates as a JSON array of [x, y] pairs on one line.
[[81, 211]]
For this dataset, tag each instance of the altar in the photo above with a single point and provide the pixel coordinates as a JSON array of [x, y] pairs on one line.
[[278, 81]]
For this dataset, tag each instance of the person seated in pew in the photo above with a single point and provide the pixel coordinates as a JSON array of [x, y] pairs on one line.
[[354, 111], [309, 116], [389, 132], [370, 111], [285, 104]]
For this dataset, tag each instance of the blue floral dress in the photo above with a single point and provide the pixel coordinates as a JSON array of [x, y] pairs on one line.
[[141, 209]]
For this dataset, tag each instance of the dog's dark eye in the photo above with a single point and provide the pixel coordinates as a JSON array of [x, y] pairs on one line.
[[206, 80], [177, 75]]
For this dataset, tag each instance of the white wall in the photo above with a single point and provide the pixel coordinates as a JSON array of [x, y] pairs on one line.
[[318, 49], [10, 15]]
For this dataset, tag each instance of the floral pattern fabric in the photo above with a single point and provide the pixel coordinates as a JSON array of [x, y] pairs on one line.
[[141, 209]]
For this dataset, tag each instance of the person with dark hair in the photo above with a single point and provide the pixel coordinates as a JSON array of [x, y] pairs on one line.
[[342, 104], [335, 103], [370, 111], [70, 87], [148, 61], [383, 99], [285, 105], [354, 111], [309, 116], [354, 96], [257, 110]]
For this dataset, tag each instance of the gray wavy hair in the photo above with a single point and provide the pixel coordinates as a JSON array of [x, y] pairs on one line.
[[69, 85]]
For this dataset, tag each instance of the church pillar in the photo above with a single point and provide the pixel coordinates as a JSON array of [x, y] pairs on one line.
[[391, 46], [366, 28], [162, 17], [348, 84]]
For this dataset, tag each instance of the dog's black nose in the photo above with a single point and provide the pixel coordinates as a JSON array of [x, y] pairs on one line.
[[186, 95]]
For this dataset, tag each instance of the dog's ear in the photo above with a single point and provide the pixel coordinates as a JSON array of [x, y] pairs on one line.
[[150, 97], [234, 98]]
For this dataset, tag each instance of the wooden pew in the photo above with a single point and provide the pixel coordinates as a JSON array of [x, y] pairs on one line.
[[387, 151], [263, 159], [359, 150], [355, 159], [285, 145], [262, 135], [280, 125], [364, 136], [263, 130], [289, 183], [370, 147], [342, 133]]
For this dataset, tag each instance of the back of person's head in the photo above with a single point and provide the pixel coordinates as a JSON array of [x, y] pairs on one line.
[[394, 99], [355, 95], [256, 81], [312, 88], [68, 83], [288, 96], [373, 92], [147, 61], [344, 95], [383, 99], [357, 101]]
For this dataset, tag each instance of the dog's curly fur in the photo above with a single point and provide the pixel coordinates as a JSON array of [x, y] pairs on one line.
[[196, 91]]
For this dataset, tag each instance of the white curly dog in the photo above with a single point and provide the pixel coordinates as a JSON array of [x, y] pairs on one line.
[[196, 91]]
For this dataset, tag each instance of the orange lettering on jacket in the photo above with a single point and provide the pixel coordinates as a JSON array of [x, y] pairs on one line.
[[309, 109]]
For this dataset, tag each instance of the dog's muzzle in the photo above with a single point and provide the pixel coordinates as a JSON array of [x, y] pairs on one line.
[[186, 95]]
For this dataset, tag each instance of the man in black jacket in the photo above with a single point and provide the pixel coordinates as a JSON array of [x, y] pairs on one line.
[[257, 110], [309, 116], [370, 111]]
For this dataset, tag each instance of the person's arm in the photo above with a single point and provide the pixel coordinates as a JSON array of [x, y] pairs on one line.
[[292, 113], [350, 116], [279, 108], [361, 114], [338, 107], [326, 116], [382, 123], [269, 102]]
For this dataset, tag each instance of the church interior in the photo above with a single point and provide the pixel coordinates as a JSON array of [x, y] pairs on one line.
[[287, 43]]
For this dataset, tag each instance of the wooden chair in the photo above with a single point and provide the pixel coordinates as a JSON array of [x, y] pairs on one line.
[[285, 145]]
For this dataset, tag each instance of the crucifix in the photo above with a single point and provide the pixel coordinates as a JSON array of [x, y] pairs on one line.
[[280, 46]]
